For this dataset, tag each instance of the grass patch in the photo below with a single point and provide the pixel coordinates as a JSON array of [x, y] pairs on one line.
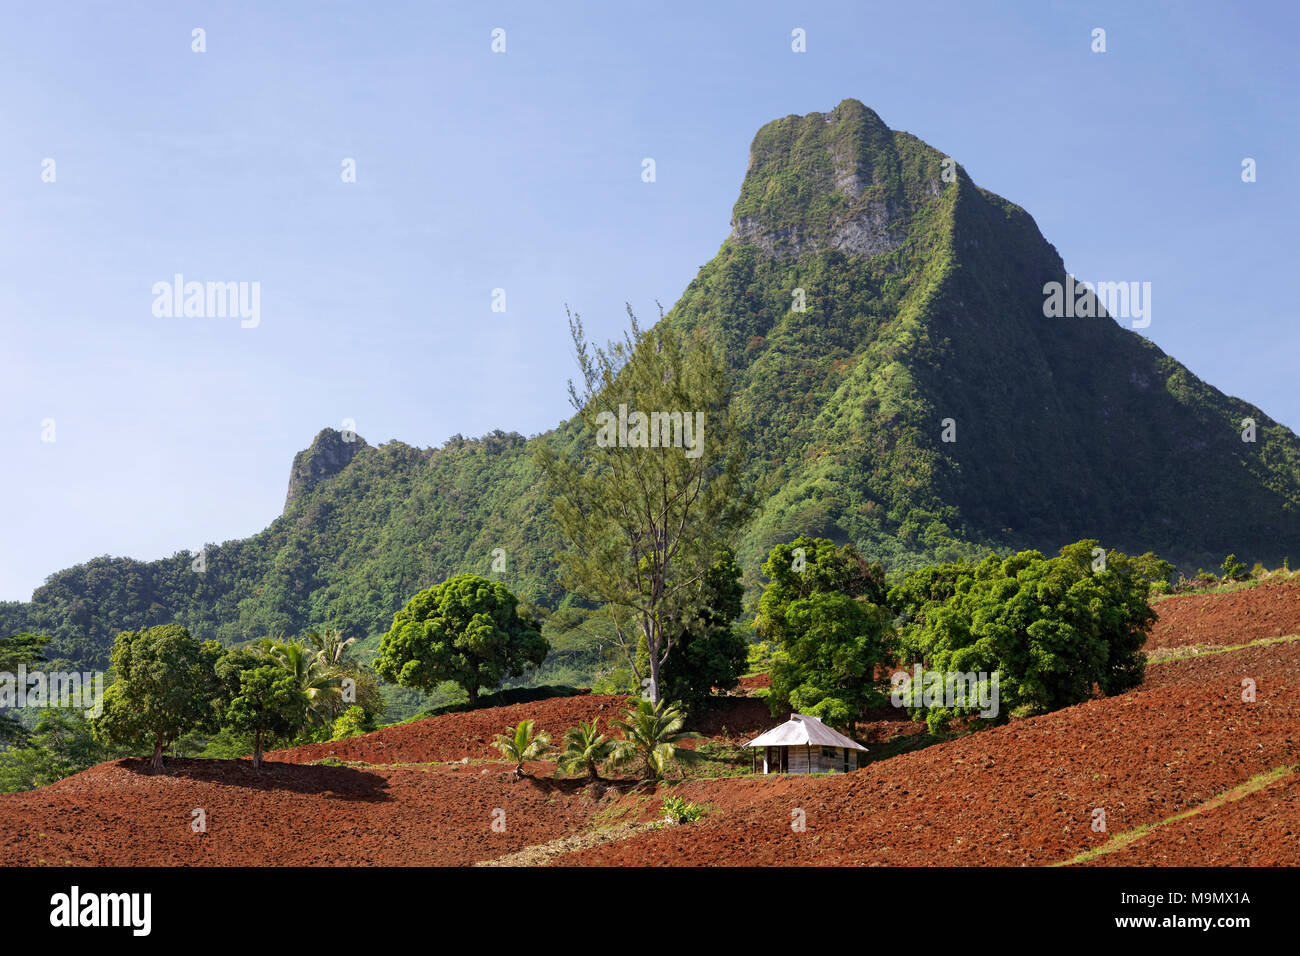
[[544, 853], [719, 760], [1215, 589], [1121, 840], [1167, 654]]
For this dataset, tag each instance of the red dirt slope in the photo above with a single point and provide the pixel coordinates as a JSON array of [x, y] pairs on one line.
[[454, 736], [1019, 794], [1271, 609], [115, 814], [1262, 829]]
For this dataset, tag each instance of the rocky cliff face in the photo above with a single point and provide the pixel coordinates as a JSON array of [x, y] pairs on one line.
[[828, 182], [330, 452]]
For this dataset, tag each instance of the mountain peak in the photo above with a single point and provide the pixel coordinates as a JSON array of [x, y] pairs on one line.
[[841, 180], [329, 453]]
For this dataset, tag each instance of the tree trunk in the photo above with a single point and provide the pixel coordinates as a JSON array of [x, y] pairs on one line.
[[155, 762], [257, 751], [473, 697], [653, 688]]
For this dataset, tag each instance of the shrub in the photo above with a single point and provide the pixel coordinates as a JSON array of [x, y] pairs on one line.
[[1054, 630], [652, 733], [585, 748], [681, 810], [353, 722], [1233, 570], [521, 744]]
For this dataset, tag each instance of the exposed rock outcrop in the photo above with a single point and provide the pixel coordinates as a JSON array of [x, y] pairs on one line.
[[330, 452]]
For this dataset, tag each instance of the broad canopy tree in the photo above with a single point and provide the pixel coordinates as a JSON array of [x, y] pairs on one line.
[[270, 703], [825, 606], [1057, 630], [468, 630], [649, 485], [164, 687]]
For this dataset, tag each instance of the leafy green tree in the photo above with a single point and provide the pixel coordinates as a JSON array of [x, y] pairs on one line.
[[1156, 570], [808, 566], [521, 744], [1056, 630], [826, 665], [585, 749], [652, 734], [354, 721], [18, 650], [163, 687], [60, 745], [642, 503], [270, 703], [710, 652], [1234, 570], [468, 630], [825, 607]]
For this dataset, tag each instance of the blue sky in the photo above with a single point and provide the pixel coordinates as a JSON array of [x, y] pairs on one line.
[[521, 171]]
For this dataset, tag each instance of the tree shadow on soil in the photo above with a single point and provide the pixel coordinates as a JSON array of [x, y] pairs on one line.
[[604, 785], [336, 782]]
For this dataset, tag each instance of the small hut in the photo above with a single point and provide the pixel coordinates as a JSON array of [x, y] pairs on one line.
[[804, 744]]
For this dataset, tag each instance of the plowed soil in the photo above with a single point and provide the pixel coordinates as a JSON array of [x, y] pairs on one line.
[[1262, 829], [456, 736], [469, 735], [284, 815], [1019, 794], [1024, 793], [1271, 609]]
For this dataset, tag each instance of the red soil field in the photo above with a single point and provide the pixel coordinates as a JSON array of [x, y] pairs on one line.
[[1019, 794], [455, 736], [116, 814], [1271, 609], [1023, 793], [1262, 829]]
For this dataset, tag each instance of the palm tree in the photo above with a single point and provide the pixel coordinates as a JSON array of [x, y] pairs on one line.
[[317, 680], [652, 733], [330, 645], [520, 744], [584, 749]]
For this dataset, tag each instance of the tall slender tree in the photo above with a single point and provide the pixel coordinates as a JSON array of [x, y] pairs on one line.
[[649, 487]]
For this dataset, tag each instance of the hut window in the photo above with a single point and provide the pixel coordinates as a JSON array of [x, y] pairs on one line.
[[828, 752]]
